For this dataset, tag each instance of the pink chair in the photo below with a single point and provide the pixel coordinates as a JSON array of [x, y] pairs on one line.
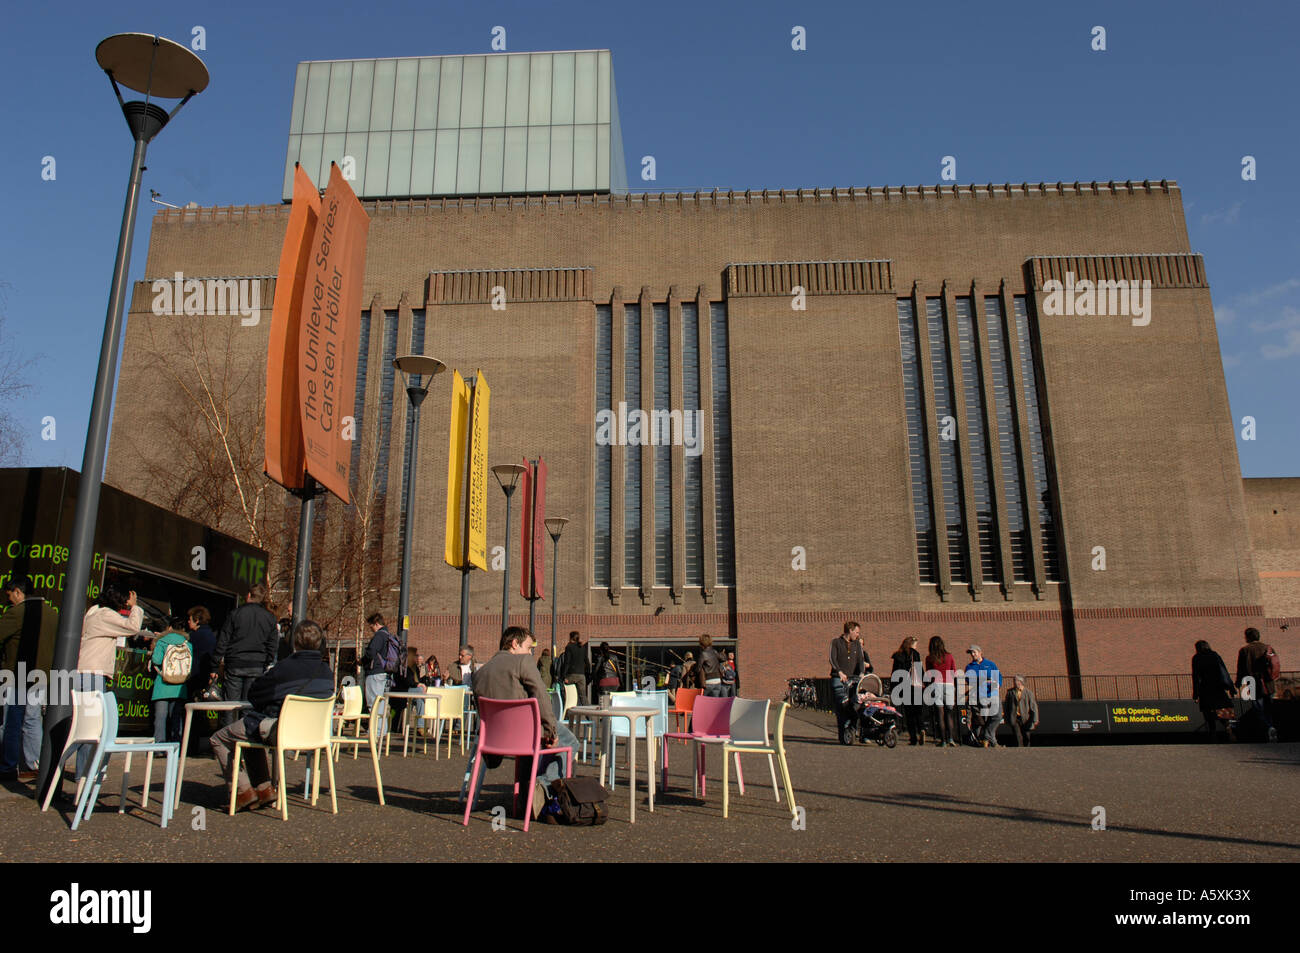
[[710, 724], [512, 729]]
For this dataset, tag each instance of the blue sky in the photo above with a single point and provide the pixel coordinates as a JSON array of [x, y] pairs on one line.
[[714, 91]]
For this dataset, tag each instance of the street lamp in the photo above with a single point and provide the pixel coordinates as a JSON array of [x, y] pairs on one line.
[[554, 526], [507, 475], [414, 369], [156, 67]]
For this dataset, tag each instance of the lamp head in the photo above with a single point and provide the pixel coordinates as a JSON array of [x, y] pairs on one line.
[[508, 475], [555, 526]]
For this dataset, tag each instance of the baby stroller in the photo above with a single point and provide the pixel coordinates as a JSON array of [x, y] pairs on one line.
[[873, 718]]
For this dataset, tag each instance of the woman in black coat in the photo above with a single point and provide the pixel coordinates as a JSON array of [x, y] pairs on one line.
[[1211, 687], [906, 683]]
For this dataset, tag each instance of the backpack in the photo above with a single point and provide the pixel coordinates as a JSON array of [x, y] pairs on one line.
[[176, 664], [581, 802], [387, 659], [728, 674]]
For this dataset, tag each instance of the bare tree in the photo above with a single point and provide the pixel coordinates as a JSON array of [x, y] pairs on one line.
[[14, 384]]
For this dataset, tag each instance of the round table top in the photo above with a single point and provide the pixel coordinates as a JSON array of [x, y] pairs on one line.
[[612, 712], [409, 695], [217, 706]]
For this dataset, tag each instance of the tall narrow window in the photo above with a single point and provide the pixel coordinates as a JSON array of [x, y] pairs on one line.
[[385, 421], [692, 434], [417, 347], [945, 413], [916, 442], [725, 528], [632, 458], [1037, 449], [1008, 446], [604, 389], [359, 406], [663, 452], [977, 440]]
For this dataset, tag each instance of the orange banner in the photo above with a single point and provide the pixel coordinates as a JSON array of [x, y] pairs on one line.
[[330, 334], [285, 460]]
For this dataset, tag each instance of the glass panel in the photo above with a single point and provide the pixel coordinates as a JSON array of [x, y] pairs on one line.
[[408, 72], [561, 178], [726, 536], [492, 163], [694, 468], [295, 146], [632, 452], [336, 109], [515, 175], [604, 384], [422, 151], [949, 466], [539, 157], [1008, 445], [584, 158], [471, 141], [299, 99], [602, 158], [426, 96], [444, 162], [585, 88], [376, 181], [471, 93], [662, 436], [363, 79], [309, 157], [381, 97], [399, 164], [517, 70], [354, 145], [604, 70], [1037, 446], [916, 442], [539, 90], [562, 89], [318, 84], [332, 152], [494, 91], [449, 93], [977, 441]]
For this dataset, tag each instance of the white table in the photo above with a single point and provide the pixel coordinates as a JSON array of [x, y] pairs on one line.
[[406, 715], [190, 709], [633, 715]]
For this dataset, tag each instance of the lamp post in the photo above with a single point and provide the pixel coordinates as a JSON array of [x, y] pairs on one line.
[[156, 67], [554, 526], [415, 368], [507, 475]]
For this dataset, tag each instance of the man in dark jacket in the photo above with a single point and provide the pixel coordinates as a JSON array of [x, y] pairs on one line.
[[1253, 662], [302, 673], [848, 663], [379, 660], [710, 665], [247, 647], [203, 643], [28, 630], [574, 666]]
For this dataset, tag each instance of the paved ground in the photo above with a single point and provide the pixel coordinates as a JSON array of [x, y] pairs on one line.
[[1198, 803]]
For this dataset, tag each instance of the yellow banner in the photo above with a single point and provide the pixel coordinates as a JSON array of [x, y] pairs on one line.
[[455, 550], [478, 468]]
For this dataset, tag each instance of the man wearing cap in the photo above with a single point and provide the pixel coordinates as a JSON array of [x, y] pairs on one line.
[[983, 686], [1021, 711]]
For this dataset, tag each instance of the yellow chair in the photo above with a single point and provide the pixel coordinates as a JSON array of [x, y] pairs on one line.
[[352, 699], [303, 725], [380, 713], [778, 749], [449, 707]]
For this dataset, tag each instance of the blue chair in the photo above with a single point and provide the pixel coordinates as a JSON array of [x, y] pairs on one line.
[[618, 727], [109, 746]]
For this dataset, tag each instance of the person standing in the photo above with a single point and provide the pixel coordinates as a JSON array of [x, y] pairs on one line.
[[574, 666], [1021, 709], [28, 630], [906, 692], [848, 664], [544, 669], [1212, 689], [1254, 660], [605, 670], [247, 646], [167, 697], [940, 668], [116, 616], [203, 643], [728, 677], [710, 666], [983, 687], [379, 660]]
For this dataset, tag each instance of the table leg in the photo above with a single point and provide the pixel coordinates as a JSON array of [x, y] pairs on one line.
[[631, 771], [148, 776], [650, 761], [185, 747], [126, 777]]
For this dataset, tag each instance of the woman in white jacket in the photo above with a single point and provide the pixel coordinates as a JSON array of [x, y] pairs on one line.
[[103, 625]]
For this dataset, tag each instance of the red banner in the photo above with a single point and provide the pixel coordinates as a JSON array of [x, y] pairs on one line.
[[285, 460], [330, 334], [532, 549]]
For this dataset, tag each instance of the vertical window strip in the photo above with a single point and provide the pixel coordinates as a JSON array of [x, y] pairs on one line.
[[359, 406], [949, 465], [1005, 411], [663, 459], [977, 439], [694, 495], [385, 420], [604, 453], [725, 528], [1037, 447], [632, 452], [916, 442], [417, 347]]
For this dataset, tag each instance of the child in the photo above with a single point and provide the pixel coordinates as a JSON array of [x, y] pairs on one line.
[[167, 698]]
